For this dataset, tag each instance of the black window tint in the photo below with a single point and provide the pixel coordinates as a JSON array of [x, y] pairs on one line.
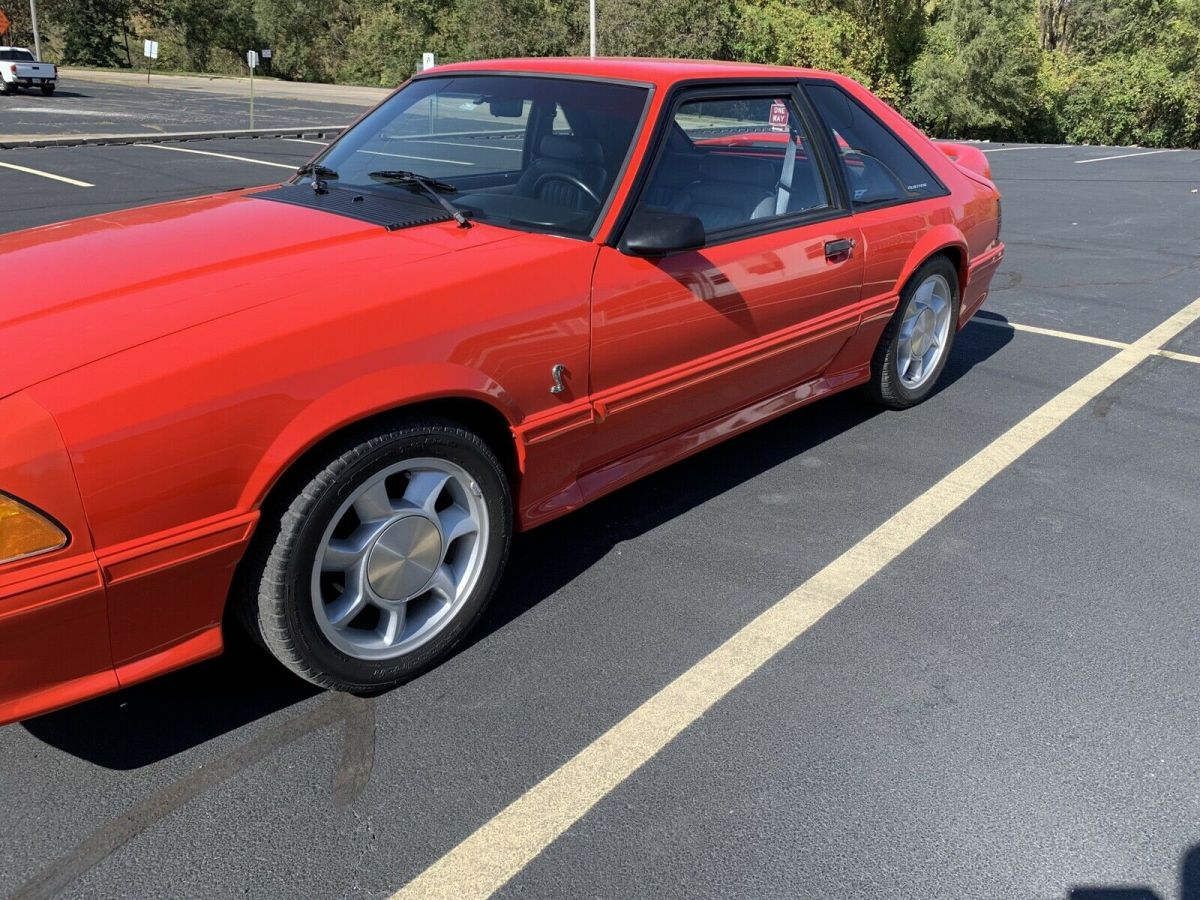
[[736, 160], [879, 167], [17, 55]]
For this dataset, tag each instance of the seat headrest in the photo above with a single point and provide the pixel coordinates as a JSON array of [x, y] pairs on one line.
[[558, 146], [740, 170]]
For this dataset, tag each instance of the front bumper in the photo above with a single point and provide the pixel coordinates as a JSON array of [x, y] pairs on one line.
[[54, 642]]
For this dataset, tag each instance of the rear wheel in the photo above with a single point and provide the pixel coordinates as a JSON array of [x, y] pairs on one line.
[[47, 89], [916, 344], [385, 558], [7, 87]]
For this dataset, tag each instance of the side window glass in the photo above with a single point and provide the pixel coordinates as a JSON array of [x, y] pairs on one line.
[[879, 168], [733, 161]]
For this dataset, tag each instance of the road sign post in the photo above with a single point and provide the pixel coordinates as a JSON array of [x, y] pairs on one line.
[[252, 62], [150, 50]]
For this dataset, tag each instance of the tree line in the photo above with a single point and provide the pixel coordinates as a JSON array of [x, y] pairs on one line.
[[1096, 71]]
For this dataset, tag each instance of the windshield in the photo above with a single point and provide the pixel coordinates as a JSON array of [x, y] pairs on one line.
[[16, 55], [530, 152]]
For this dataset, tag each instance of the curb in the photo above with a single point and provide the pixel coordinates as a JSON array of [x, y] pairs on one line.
[[165, 137]]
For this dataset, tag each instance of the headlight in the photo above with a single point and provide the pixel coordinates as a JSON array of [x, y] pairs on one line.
[[25, 532]]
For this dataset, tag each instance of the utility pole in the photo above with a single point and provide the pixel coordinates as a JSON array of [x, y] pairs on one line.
[[37, 38], [591, 27]]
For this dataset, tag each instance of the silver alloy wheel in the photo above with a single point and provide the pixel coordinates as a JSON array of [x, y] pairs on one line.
[[399, 558], [924, 332]]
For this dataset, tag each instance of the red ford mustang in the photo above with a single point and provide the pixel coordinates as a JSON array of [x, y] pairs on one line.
[[322, 408]]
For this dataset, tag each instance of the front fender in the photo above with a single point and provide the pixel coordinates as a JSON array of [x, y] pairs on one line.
[[369, 395]]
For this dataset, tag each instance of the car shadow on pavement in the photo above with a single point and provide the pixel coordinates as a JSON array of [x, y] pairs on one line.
[[1189, 884], [150, 722], [157, 719], [546, 559]]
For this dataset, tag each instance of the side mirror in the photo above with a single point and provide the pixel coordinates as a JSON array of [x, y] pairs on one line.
[[657, 233]]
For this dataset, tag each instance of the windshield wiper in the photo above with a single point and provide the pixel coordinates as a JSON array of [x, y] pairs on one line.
[[431, 186], [320, 174]]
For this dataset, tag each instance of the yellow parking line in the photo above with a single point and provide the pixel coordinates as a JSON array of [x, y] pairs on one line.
[[1082, 338], [63, 178], [1182, 357], [1050, 332], [247, 159], [502, 847]]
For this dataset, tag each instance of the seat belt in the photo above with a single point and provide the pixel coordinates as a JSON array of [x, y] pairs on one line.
[[784, 193]]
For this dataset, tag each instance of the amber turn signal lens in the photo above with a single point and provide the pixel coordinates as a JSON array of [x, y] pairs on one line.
[[24, 532]]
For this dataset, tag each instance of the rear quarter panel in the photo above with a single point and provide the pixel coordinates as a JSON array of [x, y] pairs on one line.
[[899, 238]]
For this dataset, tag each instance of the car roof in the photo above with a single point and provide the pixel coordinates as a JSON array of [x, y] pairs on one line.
[[659, 72]]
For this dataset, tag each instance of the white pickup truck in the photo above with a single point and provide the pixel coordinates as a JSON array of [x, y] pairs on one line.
[[20, 68]]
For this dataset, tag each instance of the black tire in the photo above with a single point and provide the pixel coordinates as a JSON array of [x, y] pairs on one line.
[[7, 88], [47, 89], [277, 601], [886, 387]]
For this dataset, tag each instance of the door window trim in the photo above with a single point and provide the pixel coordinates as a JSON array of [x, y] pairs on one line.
[[685, 91]]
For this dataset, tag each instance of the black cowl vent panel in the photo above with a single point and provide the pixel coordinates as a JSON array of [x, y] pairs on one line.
[[390, 212]]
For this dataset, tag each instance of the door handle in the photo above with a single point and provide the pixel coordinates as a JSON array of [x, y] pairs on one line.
[[840, 248]]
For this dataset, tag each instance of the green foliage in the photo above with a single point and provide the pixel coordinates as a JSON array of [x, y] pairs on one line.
[[1111, 71], [1135, 100], [90, 28], [818, 37], [700, 29], [978, 74], [481, 29]]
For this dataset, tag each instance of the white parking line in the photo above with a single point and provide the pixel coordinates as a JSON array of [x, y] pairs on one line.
[[488, 858], [246, 159], [305, 141], [1082, 338], [62, 111], [63, 178], [1080, 162], [1006, 149], [483, 144], [453, 162]]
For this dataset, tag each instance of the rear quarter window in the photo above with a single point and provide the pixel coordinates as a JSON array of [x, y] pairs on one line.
[[880, 168]]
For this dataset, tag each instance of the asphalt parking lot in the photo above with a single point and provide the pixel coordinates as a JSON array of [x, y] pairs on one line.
[[1008, 708], [94, 107]]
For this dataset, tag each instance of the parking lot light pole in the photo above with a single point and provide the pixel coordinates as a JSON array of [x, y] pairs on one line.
[[37, 38], [592, 28]]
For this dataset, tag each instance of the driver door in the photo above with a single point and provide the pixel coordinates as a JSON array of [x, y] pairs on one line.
[[686, 338]]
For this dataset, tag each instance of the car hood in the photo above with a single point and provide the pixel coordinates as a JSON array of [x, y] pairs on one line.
[[77, 291]]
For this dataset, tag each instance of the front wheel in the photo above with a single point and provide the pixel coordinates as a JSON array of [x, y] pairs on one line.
[[7, 87], [385, 558], [916, 344]]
